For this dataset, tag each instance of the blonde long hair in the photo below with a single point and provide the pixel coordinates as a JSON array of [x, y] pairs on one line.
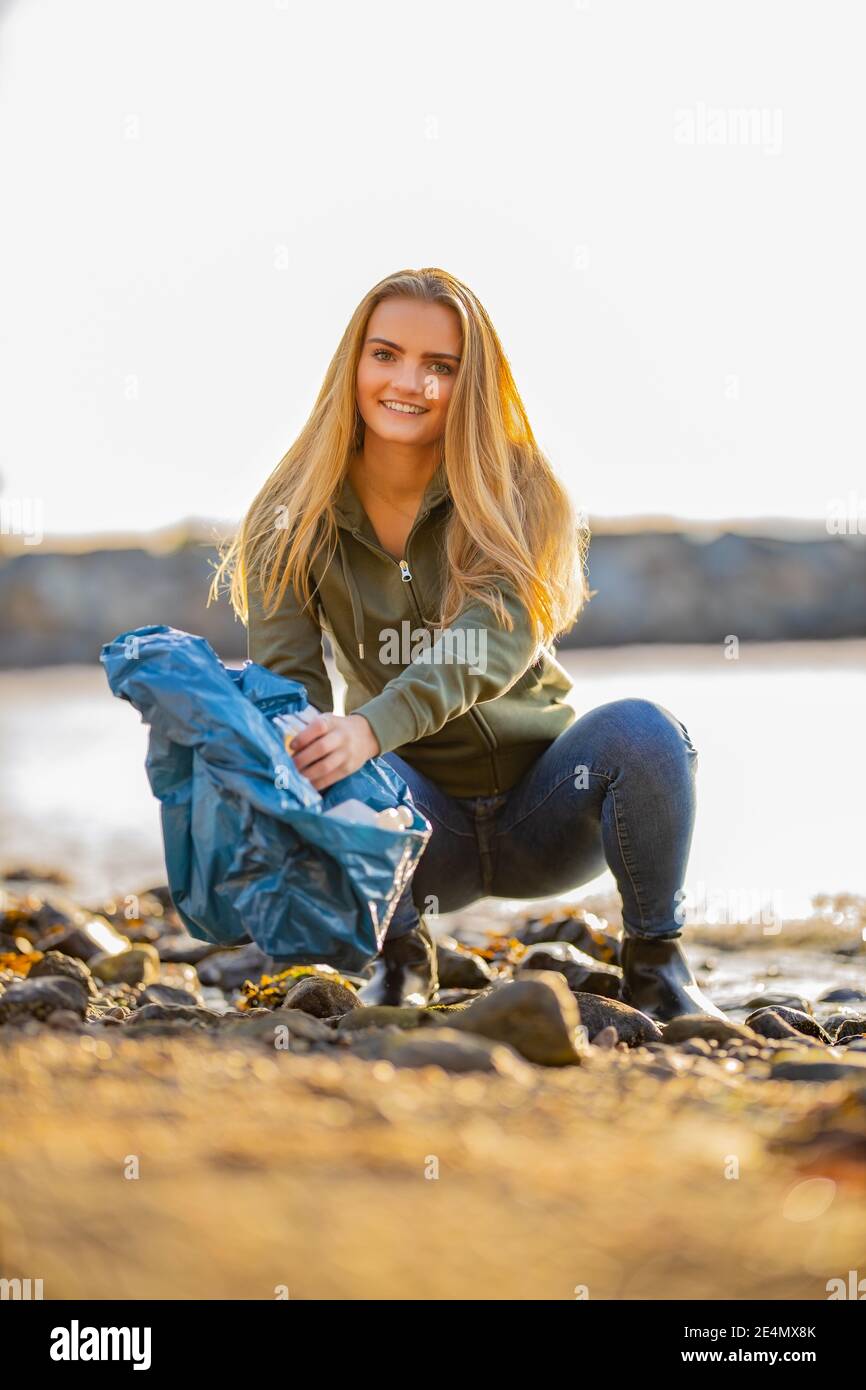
[[511, 521]]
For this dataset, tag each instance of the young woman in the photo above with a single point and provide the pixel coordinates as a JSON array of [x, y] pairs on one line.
[[416, 505]]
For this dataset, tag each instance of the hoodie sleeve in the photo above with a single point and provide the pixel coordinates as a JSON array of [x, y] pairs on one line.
[[471, 661], [289, 643]]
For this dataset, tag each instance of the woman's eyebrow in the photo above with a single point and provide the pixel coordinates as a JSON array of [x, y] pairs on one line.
[[388, 343]]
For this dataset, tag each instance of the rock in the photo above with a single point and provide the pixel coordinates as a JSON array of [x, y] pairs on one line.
[[581, 971], [699, 1047], [214, 999], [384, 1015], [37, 999], [179, 975], [183, 949], [843, 996], [833, 1022], [606, 1039], [461, 969], [767, 1023], [135, 966], [173, 1016], [159, 993], [671, 1064], [70, 941], [632, 1027], [719, 1030], [65, 1020], [781, 1022], [321, 997], [582, 929], [56, 963], [449, 998], [815, 1068], [851, 1028], [9, 946], [162, 893], [777, 1001], [274, 1024], [537, 1015], [448, 1048], [138, 931], [34, 873], [230, 967], [86, 936]]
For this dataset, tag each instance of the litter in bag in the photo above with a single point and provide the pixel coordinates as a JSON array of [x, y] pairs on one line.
[[250, 846]]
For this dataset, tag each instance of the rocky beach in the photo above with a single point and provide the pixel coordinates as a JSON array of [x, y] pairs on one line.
[[177, 1123]]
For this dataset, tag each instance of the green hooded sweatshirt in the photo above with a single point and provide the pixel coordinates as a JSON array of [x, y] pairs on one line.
[[471, 707]]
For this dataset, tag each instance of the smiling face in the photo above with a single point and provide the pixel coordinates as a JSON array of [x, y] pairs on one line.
[[407, 370]]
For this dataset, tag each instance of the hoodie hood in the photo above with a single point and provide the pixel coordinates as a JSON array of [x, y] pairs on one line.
[[351, 517]]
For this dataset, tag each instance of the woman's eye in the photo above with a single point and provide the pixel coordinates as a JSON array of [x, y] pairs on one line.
[[381, 353]]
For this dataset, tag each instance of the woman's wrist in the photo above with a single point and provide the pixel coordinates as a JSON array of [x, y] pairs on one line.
[[367, 735]]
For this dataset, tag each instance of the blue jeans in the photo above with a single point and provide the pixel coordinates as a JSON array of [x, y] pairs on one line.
[[616, 790]]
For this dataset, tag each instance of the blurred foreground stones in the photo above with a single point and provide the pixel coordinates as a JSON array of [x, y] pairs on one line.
[[181, 1125]]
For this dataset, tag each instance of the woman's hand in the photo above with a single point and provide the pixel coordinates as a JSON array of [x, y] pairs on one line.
[[333, 746]]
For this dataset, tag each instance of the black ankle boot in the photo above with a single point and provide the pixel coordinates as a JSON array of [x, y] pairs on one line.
[[658, 981], [405, 970]]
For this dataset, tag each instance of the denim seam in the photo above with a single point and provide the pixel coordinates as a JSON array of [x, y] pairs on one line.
[[622, 850], [506, 829]]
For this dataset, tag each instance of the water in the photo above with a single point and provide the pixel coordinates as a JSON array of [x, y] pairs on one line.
[[781, 771]]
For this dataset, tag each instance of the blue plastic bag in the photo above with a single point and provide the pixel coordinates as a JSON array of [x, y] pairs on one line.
[[248, 848]]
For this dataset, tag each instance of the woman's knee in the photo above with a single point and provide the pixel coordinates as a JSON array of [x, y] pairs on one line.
[[635, 724]]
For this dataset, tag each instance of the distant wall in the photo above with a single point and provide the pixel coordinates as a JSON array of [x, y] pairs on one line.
[[652, 587]]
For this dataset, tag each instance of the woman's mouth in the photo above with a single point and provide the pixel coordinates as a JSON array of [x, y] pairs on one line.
[[401, 408]]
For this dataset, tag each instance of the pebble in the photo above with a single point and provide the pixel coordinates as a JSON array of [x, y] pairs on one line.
[[324, 998], [444, 1047], [842, 996], [461, 969], [56, 963], [135, 966], [774, 1001], [781, 1022], [536, 1016], [713, 1030], [159, 993], [582, 972], [228, 968], [631, 1026], [383, 1015], [36, 999]]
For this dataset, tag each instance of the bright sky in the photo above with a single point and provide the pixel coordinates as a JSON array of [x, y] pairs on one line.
[[198, 192]]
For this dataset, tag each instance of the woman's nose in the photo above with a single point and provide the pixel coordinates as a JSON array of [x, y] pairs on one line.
[[410, 379]]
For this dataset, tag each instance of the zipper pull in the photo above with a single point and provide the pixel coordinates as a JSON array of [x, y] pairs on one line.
[[404, 572]]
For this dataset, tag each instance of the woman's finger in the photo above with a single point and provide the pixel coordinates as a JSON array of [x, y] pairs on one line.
[[314, 752], [327, 771], [311, 733]]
